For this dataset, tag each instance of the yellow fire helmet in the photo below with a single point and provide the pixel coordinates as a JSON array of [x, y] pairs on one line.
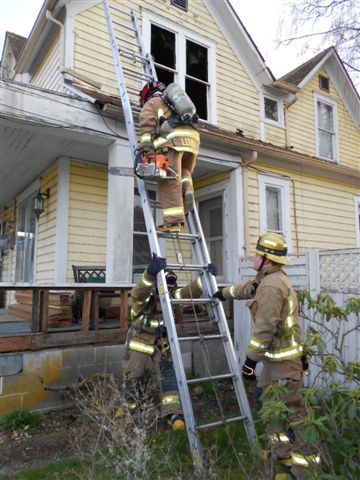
[[272, 246]]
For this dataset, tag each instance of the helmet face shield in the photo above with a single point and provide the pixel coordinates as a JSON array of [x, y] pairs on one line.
[[273, 246]]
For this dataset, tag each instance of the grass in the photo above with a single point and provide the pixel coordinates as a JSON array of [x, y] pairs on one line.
[[171, 459], [17, 421]]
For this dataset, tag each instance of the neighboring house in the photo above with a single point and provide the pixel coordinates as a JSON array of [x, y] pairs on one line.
[[280, 155]]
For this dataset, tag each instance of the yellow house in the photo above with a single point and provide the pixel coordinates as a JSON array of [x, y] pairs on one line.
[[276, 154]]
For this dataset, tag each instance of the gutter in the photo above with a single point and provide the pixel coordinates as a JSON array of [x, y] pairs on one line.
[[247, 160], [62, 37]]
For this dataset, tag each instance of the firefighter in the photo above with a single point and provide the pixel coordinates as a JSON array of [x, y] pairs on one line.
[[181, 146], [147, 338], [277, 342]]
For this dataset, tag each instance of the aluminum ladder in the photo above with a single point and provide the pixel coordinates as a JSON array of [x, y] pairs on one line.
[[127, 44]]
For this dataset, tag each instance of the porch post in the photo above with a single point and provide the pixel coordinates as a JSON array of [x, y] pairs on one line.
[[120, 213]]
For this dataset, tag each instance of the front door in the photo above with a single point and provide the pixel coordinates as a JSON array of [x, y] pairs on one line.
[[25, 241]]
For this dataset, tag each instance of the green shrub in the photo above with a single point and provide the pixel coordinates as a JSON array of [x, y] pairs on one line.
[[20, 421]]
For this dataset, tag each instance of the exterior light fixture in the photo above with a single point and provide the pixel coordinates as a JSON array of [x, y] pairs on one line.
[[38, 205]]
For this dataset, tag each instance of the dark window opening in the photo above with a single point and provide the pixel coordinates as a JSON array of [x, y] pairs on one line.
[[324, 83], [163, 52], [183, 4], [271, 109], [197, 67]]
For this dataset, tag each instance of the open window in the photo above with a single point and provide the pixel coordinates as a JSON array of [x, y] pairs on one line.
[[275, 206], [186, 58], [272, 111]]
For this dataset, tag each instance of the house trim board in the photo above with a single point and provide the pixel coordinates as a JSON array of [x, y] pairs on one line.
[[62, 219]]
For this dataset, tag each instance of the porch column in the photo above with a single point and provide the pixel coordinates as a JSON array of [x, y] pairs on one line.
[[120, 214]]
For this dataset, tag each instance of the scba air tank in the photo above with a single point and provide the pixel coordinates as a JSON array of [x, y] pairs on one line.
[[180, 101]]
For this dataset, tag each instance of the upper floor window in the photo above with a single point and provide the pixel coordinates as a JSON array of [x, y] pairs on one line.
[[275, 206], [326, 128], [324, 83], [272, 111], [186, 58]]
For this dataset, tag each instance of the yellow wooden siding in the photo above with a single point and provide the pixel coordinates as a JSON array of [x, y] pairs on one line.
[[302, 125], [46, 229], [93, 58], [274, 135], [87, 216], [324, 210], [47, 74]]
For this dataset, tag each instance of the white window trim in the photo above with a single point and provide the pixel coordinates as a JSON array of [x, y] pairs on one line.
[[357, 227], [324, 99], [280, 105], [182, 34], [284, 186]]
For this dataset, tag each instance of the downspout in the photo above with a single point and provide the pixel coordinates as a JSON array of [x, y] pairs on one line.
[[62, 37], [245, 163]]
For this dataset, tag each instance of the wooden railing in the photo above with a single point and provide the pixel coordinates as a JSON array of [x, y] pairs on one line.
[[88, 332]]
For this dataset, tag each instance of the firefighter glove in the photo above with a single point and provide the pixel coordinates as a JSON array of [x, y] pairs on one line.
[[219, 295], [156, 265], [248, 369], [305, 365], [211, 268]]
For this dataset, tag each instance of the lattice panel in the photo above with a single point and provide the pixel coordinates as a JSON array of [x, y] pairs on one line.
[[340, 271]]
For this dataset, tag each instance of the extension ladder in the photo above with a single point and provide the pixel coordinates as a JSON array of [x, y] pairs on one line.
[[128, 44]]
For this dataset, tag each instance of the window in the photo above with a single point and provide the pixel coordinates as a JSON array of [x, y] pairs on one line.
[[182, 4], [324, 83], [357, 220], [186, 58], [272, 112], [275, 206], [141, 249], [211, 217], [326, 121]]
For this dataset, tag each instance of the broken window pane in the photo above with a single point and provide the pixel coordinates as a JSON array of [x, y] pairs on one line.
[[197, 67], [271, 109], [163, 52]]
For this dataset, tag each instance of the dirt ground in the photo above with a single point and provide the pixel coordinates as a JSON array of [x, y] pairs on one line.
[[54, 439], [34, 448]]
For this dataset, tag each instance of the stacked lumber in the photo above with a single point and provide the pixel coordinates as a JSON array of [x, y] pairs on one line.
[[60, 312]]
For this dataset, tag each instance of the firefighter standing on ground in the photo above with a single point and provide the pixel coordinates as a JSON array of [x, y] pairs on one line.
[[147, 338], [181, 146], [277, 342]]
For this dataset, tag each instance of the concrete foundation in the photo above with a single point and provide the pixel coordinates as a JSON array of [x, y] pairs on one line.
[[22, 376]]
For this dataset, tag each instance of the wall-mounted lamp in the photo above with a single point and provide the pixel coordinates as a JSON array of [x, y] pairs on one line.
[[38, 206]]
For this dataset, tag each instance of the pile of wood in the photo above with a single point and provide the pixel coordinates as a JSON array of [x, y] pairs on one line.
[[60, 312]]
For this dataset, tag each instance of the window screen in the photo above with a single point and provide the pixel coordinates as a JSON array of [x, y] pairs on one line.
[[274, 209]]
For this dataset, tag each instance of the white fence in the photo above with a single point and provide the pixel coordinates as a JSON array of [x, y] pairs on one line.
[[335, 271]]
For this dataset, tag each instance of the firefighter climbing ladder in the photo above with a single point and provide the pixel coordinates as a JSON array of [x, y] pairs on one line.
[[123, 46]]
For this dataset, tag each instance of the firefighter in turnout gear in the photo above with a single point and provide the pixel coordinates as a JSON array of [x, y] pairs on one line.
[[147, 338], [180, 143], [277, 342]]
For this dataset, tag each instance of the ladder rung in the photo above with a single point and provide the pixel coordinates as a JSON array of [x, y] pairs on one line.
[[211, 379], [204, 337], [139, 75], [221, 423], [133, 56], [186, 301], [181, 236], [186, 266]]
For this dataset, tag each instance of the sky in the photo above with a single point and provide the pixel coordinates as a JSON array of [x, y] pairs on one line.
[[260, 18]]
